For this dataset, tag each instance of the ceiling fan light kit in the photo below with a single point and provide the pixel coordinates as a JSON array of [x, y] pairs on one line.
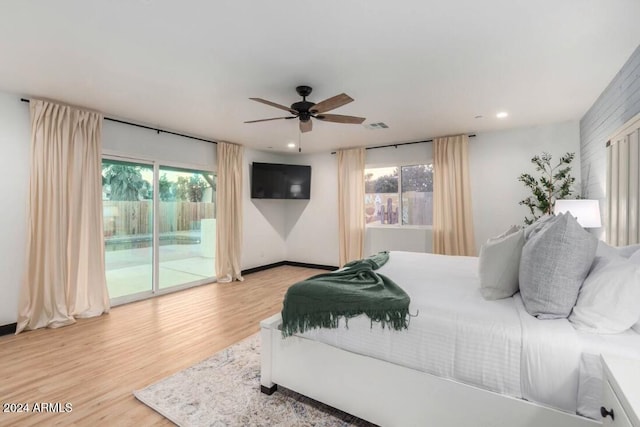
[[306, 110]]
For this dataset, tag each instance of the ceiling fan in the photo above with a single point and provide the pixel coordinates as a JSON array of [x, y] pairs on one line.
[[305, 110]]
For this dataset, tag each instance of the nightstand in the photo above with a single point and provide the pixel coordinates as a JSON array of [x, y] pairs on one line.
[[621, 392]]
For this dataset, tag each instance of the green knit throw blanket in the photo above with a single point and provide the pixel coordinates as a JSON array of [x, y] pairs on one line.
[[320, 301]]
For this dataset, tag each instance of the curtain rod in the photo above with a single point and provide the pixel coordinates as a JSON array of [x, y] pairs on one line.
[[403, 143], [149, 127]]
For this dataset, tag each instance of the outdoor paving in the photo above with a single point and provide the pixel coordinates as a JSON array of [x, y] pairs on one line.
[[130, 271]]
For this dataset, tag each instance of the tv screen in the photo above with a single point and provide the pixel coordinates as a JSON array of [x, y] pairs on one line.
[[277, 181]]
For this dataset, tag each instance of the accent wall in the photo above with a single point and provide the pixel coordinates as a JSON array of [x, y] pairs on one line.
[[618, 103]]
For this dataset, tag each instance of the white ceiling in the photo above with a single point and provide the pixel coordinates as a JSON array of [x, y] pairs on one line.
[[425, 68]]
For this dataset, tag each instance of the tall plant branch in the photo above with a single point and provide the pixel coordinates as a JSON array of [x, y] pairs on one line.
[[554, 183]]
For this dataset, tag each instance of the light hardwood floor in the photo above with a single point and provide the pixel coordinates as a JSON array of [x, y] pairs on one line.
[[96, 363]]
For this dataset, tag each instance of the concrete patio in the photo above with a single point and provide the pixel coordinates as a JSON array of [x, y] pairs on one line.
[[130, 271]]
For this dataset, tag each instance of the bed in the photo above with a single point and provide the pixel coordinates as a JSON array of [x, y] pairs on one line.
[[462, 361]]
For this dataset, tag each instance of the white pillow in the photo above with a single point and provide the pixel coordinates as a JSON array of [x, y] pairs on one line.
[[605, 249], [635, 258], [499, 264], [609, 300], [628, 251]]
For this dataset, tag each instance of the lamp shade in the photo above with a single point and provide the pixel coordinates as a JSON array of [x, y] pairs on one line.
[[587, 212]]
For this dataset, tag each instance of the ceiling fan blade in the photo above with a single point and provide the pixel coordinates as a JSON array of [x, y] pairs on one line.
[[266, 120], [306, 126], [339, 118], [331, 103], [273, 104]]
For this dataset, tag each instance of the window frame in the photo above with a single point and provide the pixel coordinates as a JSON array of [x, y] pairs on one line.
[[156, 163], [399, 224]]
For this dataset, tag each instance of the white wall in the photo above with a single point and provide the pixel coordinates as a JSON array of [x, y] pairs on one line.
[[496, 159], [14, 163], [312, 225], [264, 221], [126, 140]]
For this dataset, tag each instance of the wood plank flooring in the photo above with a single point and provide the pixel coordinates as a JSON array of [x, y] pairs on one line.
[[96, 363]]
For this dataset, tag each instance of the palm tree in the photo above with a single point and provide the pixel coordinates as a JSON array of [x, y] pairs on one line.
[[125, 181]]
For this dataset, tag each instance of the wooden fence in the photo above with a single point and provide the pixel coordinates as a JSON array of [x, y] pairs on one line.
[[131, 218], [382, 208]]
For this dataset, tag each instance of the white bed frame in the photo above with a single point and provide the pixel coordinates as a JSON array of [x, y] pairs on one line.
[[391, 395]]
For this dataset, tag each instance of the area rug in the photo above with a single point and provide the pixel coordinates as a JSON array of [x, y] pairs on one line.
[[224, 390]]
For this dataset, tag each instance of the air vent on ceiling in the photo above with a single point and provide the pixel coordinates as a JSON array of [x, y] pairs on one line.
[[375, 126]]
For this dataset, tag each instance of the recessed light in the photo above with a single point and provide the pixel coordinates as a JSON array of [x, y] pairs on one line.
[[502, 115], [291, 145]]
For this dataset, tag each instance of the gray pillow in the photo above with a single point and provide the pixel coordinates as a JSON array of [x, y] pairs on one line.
[[554, 263], [499, 264], [542, 222]]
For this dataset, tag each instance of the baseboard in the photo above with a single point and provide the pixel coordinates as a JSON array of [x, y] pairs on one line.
[[291, 263], [263, 267], [8, 329], [305, 265]]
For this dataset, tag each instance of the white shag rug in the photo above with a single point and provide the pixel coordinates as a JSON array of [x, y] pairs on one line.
[[224, 390]]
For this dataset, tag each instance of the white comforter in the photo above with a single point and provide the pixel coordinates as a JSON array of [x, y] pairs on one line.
[[457, 334]]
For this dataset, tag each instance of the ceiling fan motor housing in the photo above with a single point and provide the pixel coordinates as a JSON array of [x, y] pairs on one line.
[[303, 107]]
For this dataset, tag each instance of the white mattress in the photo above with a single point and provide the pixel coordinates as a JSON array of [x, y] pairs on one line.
[[495, 345], [456, 333]]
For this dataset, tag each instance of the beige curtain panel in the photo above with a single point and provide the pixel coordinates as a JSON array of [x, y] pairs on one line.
[[623, 188], [351, 204], [65, 273], [229, 212], [452, 215]]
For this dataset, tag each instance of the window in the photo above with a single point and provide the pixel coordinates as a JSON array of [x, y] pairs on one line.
[[187, 228], [158, 245], [399, 195]]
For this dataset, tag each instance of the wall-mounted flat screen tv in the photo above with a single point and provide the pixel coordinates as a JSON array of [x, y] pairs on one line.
[[277, 181]]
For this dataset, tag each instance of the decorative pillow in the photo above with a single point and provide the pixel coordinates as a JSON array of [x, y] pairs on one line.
[[609, 300], [628, 251], [605, 249], [499, 264], [553, 266], [511, 230], [538, 225]]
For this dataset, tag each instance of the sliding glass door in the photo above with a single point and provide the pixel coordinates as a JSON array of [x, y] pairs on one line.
[[127, 203], [159, 228], [187, 228]]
